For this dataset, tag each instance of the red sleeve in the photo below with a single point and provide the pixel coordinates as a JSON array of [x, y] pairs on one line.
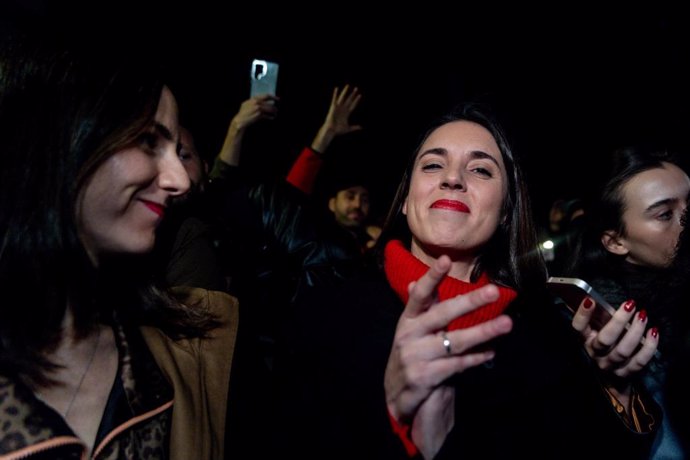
[[403, 432], [304, 170]]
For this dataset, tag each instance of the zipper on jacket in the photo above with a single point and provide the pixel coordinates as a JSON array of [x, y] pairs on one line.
[[44, 446], [128, 424]]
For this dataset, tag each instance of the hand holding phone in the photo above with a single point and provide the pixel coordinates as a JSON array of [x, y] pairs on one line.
[[572, 292]]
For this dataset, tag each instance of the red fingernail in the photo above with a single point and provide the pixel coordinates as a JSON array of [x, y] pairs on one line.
[[655, 332], [629, 305], [588, 303], [642, 315]]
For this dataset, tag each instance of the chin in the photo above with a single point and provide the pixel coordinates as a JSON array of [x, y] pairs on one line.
[[140, 246], [450, 242]]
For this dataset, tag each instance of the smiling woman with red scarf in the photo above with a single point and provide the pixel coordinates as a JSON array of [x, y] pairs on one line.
[[454, 349]]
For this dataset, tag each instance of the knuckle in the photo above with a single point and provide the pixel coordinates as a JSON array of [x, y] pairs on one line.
[[640, 361], [621, 372], [409, 375], [417, 377], [604, 364], [406, 356], [617, 357], [603, 342]]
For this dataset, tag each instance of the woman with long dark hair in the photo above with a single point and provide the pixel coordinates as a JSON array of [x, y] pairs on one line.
[[93, 358], [454, 349], [627, 246]]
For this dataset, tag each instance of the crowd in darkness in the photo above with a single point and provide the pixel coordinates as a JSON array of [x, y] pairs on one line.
[[352, 266], [573, 87]]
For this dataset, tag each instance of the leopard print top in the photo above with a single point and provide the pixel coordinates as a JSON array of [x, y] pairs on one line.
[[137, 424]]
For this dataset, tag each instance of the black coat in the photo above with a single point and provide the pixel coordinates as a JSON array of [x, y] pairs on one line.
[[276, 246], [276, 242], [539, 398]]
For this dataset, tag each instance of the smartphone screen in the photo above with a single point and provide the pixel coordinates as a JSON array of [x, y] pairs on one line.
[[264, 77]]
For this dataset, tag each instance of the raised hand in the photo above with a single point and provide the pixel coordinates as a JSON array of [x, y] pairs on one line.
[[337, 122], [343, 103], [254, 109]]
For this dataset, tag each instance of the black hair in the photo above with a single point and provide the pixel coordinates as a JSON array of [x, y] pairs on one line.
[[591, 259], [62, 114], [511, 256]]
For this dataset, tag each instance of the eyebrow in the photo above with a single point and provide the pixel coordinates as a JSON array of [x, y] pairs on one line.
[[163, 131], [475, 154], [483, 155], [660, 203]]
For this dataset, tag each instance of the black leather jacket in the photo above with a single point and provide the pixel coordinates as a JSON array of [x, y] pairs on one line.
[[275, 247], [276, 242]]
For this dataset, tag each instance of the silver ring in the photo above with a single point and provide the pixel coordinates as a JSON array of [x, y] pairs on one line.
[[446, 343]]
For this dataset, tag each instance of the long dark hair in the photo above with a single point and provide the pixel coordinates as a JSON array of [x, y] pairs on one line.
[[61, 116], [511, 256]]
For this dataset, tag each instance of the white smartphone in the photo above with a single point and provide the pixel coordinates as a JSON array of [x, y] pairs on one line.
[[572, 291], [264, 78]]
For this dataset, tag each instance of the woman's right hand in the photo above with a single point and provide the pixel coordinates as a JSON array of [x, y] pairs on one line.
[[254, 109], [419, 363]]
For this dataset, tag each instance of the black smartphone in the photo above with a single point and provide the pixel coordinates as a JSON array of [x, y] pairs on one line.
[[264, 78], [571, 291]]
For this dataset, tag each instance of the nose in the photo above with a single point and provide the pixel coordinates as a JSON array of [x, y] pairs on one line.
[[357, 202], [172, 177], [452, 180]]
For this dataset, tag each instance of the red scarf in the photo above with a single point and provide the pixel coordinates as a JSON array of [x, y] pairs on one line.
[[402, 267]]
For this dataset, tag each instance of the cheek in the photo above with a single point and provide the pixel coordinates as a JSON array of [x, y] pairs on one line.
[[672, 238], [493, 207], [91, 194]]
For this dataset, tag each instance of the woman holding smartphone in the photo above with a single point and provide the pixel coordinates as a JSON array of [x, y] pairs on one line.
[[454, 349], [629, 242]]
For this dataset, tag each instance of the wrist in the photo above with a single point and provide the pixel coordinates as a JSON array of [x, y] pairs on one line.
[[237, 127], [322, 140], [316, 151]]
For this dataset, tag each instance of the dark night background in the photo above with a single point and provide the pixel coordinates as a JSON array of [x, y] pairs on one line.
[[569, 85]]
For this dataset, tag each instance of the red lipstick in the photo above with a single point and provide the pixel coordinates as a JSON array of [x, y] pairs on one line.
[[155, 207], [451, 205]]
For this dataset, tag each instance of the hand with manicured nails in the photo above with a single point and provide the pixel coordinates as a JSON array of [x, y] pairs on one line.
[[615, 348]]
